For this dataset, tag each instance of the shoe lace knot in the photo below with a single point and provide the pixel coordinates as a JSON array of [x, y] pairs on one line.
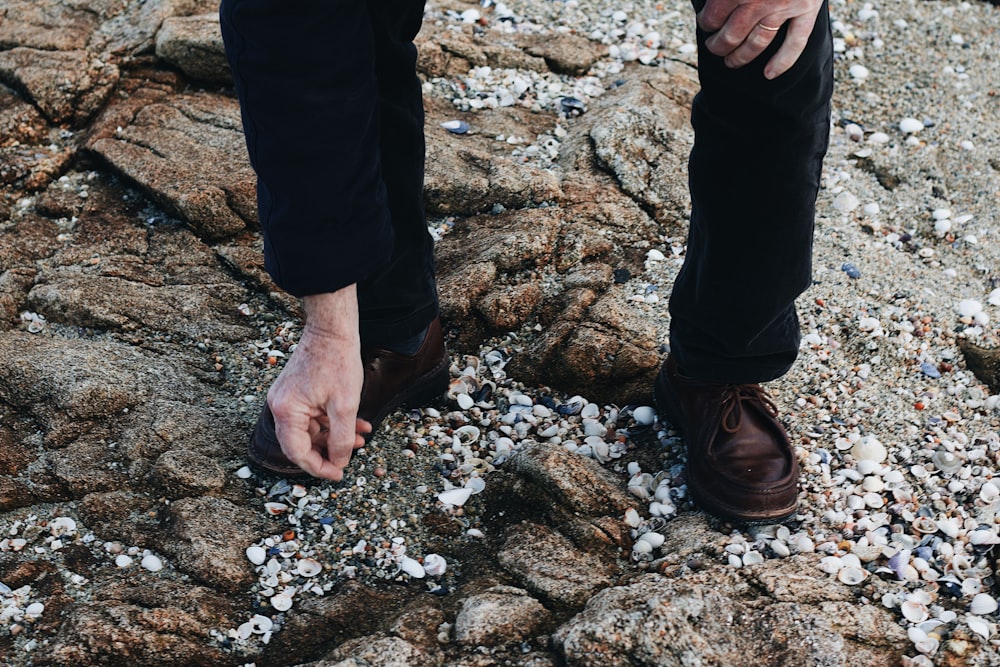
[[733, 398]]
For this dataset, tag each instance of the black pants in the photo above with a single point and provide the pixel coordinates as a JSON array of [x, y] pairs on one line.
[[334, 123], [333, 117], [754, 174]]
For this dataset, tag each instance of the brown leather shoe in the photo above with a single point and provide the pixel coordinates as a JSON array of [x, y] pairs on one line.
[[741, 464], [392, 381]]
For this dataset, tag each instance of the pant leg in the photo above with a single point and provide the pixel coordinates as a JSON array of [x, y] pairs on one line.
[[754, 175], [305, 76], [399, 299]]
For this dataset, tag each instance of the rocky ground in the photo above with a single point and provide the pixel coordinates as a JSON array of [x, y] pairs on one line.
[[538, 514]]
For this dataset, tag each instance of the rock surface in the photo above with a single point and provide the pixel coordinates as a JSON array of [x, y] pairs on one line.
[[140, 333]]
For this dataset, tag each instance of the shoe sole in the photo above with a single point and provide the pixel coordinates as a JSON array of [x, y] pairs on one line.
[[668, 403]]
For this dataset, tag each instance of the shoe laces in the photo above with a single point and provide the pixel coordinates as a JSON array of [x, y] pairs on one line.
[[733, 397]]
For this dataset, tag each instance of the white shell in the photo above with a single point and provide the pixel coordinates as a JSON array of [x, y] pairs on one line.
[[476, 484], [644, 415], [152, 563], [123, 561], [979, 626], [983, 603], [655, 540], [869, 448], [852, 575], [831, 564], [34, 610], [456, 497], [412, 567], [435, 565], [308, 567], [914, 611], [590, 410], [281, 602], [256, 555], [62, 525], [981, 537], [753, 557], [275, 509], [632, 518], [261, 623]]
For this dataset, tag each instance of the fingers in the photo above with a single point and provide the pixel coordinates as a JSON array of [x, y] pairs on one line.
[[295, 433], [341, 439], [758, 38], [795, 42]]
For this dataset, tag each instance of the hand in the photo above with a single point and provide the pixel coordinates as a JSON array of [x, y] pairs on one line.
[[739, 36], [315, 399]]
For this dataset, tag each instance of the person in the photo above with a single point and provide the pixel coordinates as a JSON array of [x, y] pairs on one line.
[[333, 118]]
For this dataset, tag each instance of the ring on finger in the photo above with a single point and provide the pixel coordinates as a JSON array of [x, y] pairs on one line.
[[767, 27]]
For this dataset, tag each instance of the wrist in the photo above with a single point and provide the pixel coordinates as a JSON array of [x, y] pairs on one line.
[[333, 313]]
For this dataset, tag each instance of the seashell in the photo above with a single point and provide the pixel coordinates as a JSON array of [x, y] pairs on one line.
[[476, 484], [464, 401], [852, 575], [753, 558], [979, 626], [308, 567], [571, 106], [467, 434], [738, 549], [971, 586], [456, 126], [275, 509], [831, 564], [780, 549], [899, 561], [258, 624], [925, 525], [983, 537], [244, 473], [590, 411], [642, 547], [867, 467], [850, 560], [945, 461], [412, 567], [644, 415], [435, 565], [654, 539], [735, 561], [804, 544], [913, 611], [928, 646], [256, 555], [121, 560], [151, 563], [280, 488], [632, 518], [549, 431], [455, 497], [983, 603], [281, 602], [949, 526], [62, 525], [869, 448]]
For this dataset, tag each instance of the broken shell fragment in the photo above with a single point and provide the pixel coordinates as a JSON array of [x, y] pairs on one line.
[[281, 602]]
